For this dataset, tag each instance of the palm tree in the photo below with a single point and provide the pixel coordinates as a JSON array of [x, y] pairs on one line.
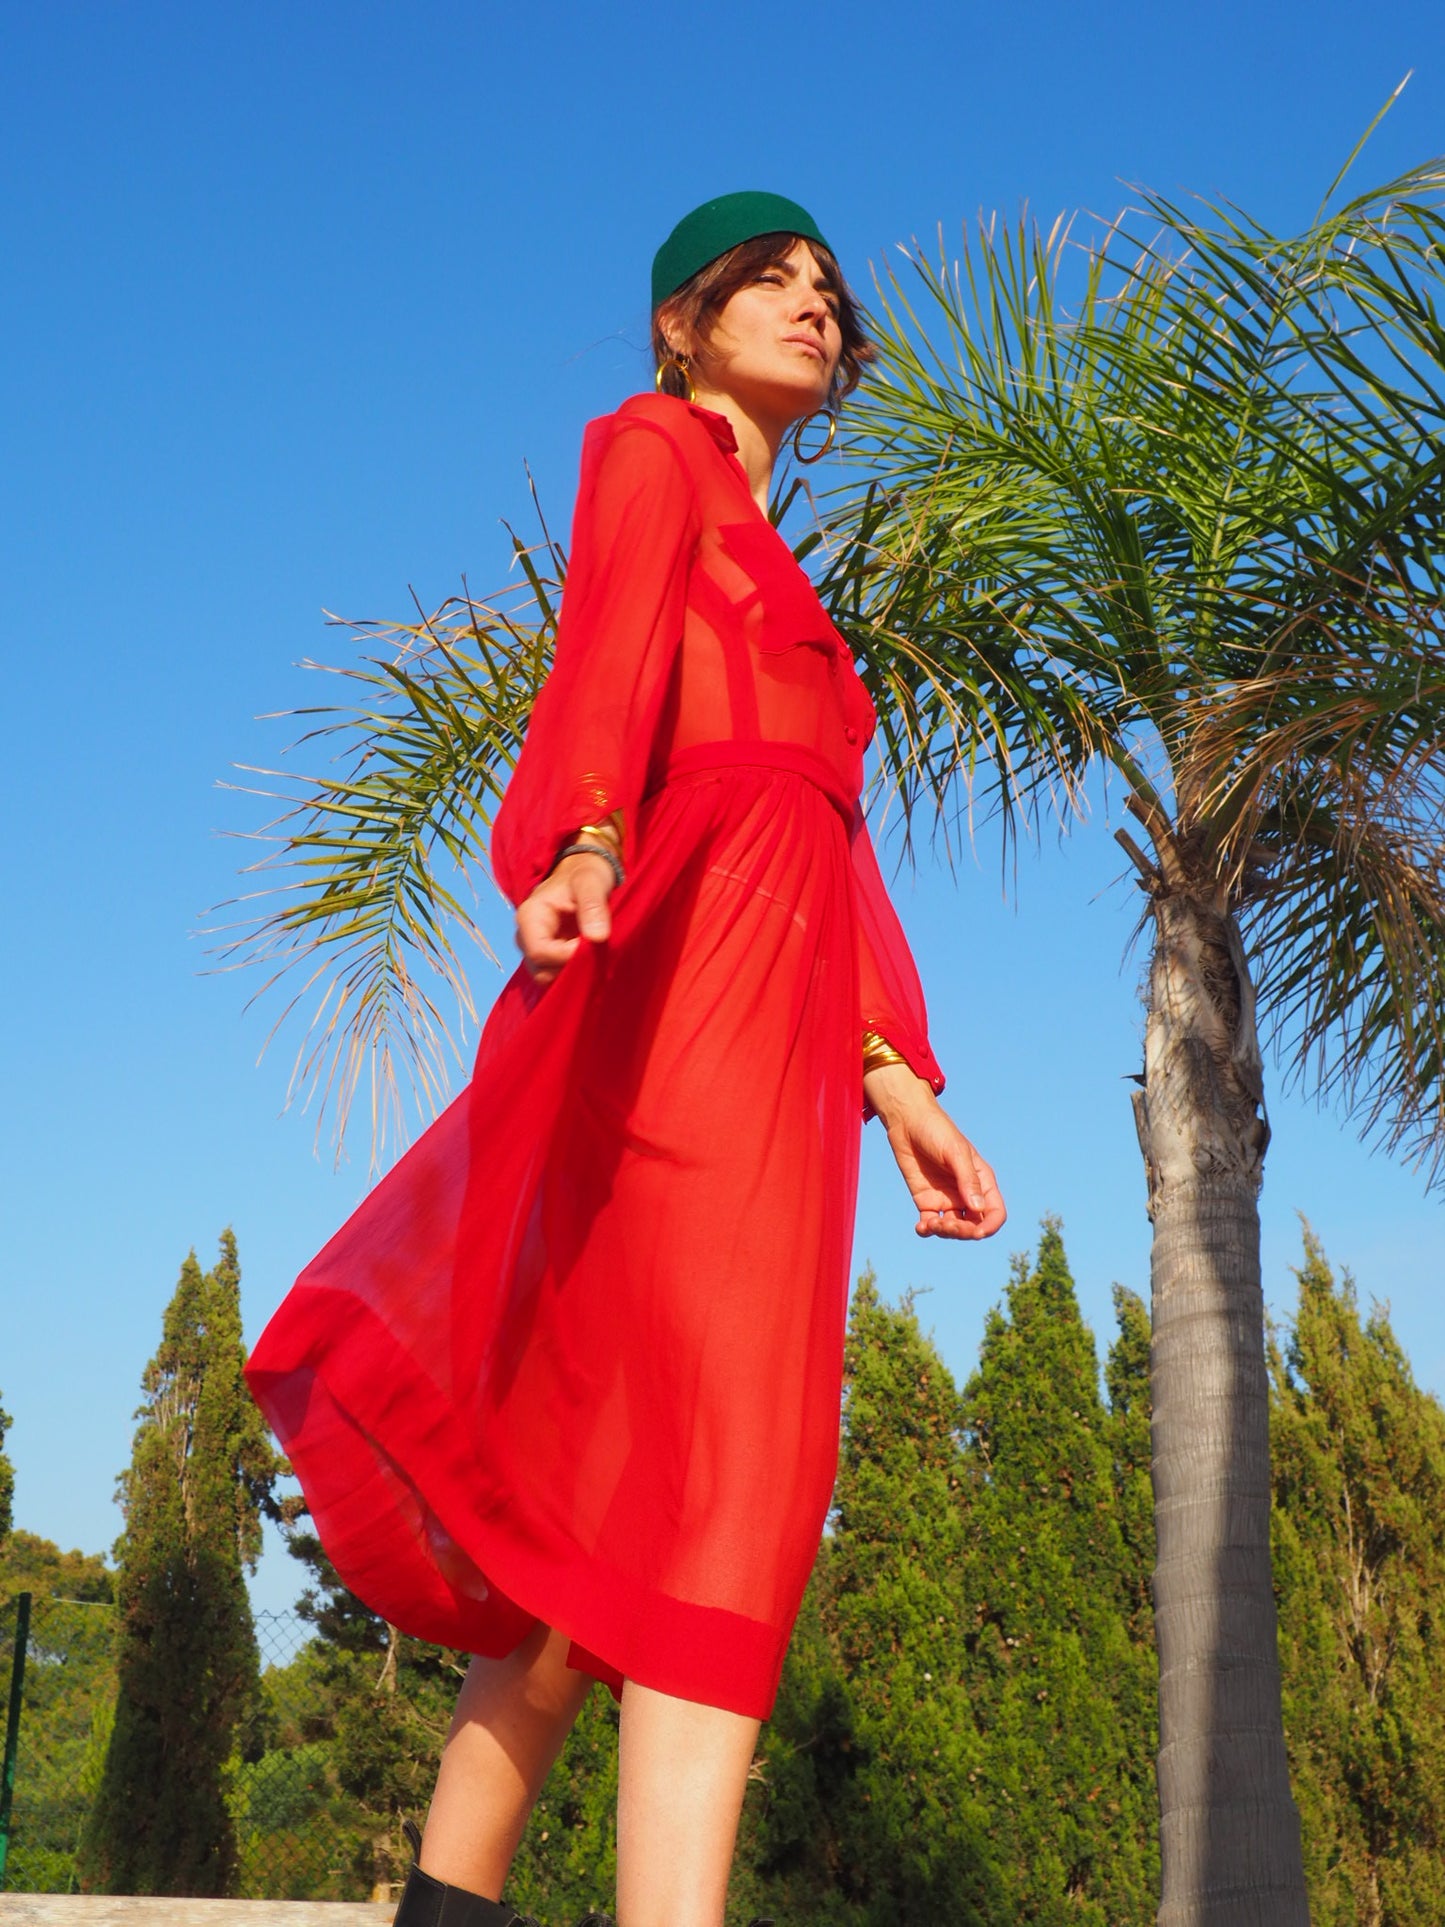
[[1189, 530], [1200, 519]]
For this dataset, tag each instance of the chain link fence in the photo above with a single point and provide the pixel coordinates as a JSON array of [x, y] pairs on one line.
[[66, 1711], [294, 1826]]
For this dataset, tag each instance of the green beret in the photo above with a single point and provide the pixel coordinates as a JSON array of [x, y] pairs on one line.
[[716, 226]]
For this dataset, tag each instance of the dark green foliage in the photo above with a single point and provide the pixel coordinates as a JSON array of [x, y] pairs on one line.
[[1126, 1379], [297, 1832], [31, 1564], [911, 1818], [373, 1714], [795, 1856], [66, 1711], [966, 1727], [7, 1481], [201, 1469], [374, 1709], [1061, 1687], [1359, 1531], [567, 1862]]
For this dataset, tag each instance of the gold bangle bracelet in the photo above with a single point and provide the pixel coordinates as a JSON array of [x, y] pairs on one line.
[[610, 830], [878, 1052]]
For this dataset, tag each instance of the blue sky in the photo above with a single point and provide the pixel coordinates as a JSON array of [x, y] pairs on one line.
[[290, 296]]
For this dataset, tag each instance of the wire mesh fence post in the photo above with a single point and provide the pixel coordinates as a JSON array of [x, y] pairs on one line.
[[12, 1725]]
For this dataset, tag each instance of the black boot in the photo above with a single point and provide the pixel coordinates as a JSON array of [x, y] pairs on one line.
[[427, 1902]]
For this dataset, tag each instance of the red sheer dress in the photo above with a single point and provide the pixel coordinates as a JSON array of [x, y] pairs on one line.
[[577, 1357]]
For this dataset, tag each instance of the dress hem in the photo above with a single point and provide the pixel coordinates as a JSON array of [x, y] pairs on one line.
[[497, 1587]]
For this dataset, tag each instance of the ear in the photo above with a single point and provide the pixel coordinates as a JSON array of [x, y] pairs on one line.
[[672, 330]]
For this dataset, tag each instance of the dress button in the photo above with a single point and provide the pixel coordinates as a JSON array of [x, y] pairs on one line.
[[851, 733]]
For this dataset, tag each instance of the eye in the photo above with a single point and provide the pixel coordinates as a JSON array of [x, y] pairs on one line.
[[771, 276]]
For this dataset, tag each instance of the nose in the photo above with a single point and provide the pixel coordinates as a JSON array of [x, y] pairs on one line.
[[812, 311], [812, 305]]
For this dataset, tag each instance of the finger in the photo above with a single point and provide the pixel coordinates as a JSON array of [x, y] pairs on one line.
[[936, 1210], [947, 1223], [539, 938], [951, 1225], [965, 1164], [545, 917], [546, 962], [975, 1210], [594, 916], [995, 1213], [962, 1192]]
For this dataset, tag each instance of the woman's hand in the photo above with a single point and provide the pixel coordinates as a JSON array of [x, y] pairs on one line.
[[566, 906], [955, 1191]]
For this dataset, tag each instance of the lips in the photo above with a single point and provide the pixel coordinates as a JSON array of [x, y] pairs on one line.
[[814, 346]]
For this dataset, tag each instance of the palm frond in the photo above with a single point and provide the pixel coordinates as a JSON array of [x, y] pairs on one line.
[[990, 662], [971, 696], [361, 899], [1350, 947], [1180, 489]]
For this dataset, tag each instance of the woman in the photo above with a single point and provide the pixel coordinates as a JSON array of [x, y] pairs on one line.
[[564, 1391]]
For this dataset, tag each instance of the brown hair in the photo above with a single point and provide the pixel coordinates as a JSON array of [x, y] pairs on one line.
[[695, 307]]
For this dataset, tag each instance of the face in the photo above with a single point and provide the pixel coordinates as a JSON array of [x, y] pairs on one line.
[[775, 346]]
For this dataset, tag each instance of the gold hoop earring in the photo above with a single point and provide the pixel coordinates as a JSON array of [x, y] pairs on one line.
[[677, 365], [819, 453]]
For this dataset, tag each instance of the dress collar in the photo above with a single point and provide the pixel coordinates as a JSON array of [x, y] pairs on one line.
[[718, 426]]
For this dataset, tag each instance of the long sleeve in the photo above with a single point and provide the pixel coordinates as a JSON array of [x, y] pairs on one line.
[[592, 727], [890, 995]]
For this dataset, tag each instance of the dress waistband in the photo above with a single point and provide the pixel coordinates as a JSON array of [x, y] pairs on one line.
[[793, 757]]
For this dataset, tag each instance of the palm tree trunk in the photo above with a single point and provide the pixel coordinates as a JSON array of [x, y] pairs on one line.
[[1229, 1830]]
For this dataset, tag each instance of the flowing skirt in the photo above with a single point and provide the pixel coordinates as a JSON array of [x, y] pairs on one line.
[[577, 1358]]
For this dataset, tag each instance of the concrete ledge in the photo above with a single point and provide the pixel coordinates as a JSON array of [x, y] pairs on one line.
[[142, 1910]]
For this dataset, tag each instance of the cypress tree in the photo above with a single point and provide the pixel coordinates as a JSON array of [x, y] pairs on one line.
[[201, 1470], [1062, 1691], [914, 1828], [1126, 1379], [1359, 1545], [796, 1855]]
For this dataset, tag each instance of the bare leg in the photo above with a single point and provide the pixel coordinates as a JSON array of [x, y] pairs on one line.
[[512, 1717], [682, 1772]]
